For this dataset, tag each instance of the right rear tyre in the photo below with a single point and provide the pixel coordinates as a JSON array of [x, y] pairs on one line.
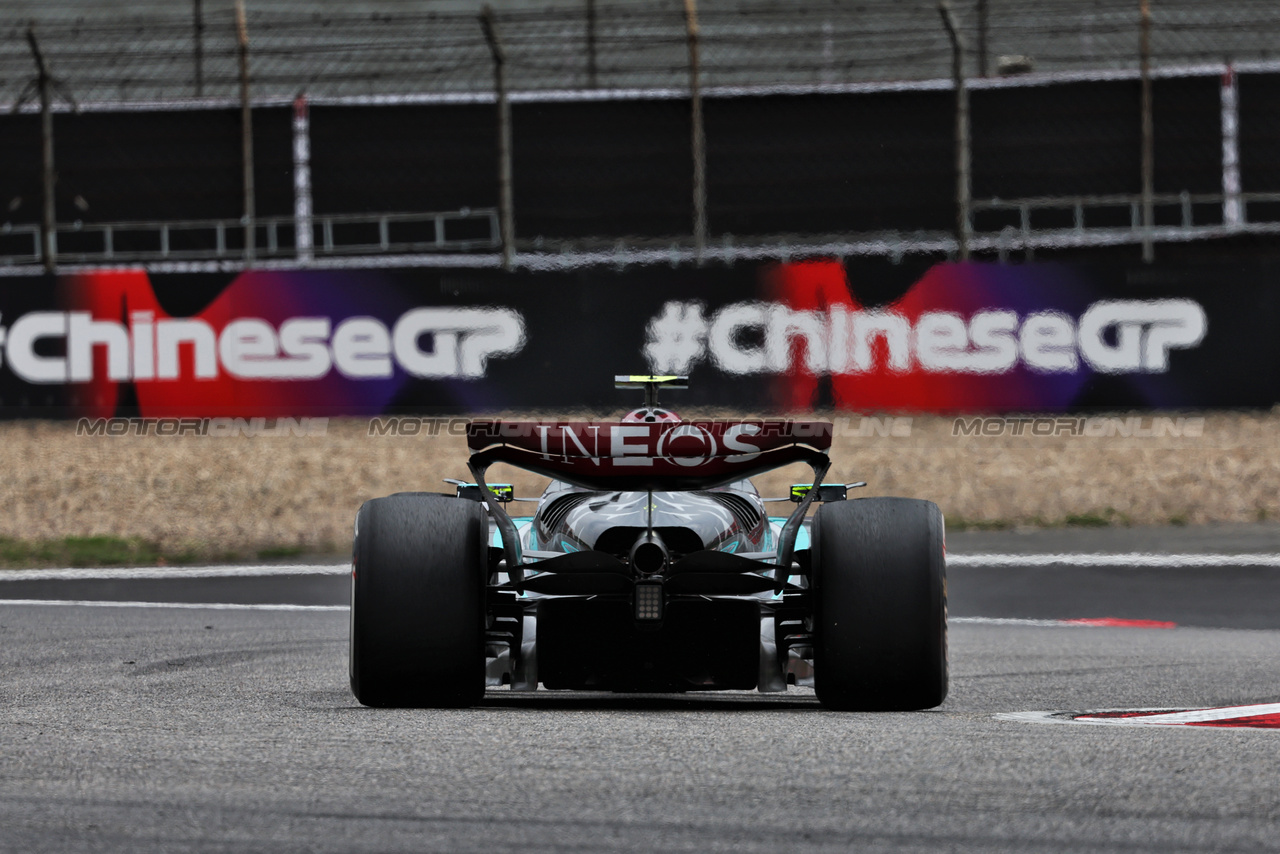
[[880, 633], [418, 601]]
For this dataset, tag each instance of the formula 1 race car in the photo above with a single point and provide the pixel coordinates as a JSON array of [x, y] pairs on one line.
[[650, 564]]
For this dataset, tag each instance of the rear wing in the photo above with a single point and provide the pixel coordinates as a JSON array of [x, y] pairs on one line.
[[645, 456], [642, 456]]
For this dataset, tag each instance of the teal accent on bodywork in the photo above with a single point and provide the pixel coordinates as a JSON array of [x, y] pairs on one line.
[[568, 546], [522, 522], [802, 536], [732, 547]]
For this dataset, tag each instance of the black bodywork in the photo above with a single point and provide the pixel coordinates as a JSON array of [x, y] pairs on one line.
[[708, 636], [727, 618]]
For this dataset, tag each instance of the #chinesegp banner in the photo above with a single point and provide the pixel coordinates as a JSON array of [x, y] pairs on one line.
[[266, 344], [981, 337], [782, 337]]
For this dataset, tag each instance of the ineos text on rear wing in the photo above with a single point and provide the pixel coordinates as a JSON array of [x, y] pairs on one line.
[[641, 456]]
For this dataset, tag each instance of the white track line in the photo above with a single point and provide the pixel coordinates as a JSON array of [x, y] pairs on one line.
[[148, 572], [996, 560], [1058, 718], [1128, 560], [193, 606], [231, 606]]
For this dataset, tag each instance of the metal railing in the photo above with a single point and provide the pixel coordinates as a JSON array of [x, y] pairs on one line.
[[461, 231], [471, 237], [1118, 219], [19, 244]]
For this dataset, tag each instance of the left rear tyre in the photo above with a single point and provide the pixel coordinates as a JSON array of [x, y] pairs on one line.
[[417, 602]]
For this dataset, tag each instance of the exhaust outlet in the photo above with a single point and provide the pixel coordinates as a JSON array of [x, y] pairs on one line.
[[649, 555]]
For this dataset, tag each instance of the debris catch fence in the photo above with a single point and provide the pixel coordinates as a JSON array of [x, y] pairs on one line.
[[587, 131]]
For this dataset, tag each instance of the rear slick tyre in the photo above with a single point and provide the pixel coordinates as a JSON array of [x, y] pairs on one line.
[[417, 602], [880, 633]]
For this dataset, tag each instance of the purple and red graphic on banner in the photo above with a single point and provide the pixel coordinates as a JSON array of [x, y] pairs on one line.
[[776, 337]]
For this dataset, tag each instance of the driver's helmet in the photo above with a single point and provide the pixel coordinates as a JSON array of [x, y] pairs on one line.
[[647, 415]]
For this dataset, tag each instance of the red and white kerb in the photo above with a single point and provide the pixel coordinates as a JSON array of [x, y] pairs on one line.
[[1261, 716], [1265, 716]]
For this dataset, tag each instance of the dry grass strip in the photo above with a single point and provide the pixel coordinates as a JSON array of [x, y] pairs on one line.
[[238, 495]]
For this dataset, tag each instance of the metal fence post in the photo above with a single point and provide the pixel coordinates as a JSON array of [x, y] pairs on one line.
[[303, 240], [42, 88], [1232, 210], [982, 38], [593, 69], [246, 132], [1148, 137], [699, 140], [963, 157], [197, 36], [506, 213]]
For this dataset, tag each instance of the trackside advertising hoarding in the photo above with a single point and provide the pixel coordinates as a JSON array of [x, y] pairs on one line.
[[782, 337]]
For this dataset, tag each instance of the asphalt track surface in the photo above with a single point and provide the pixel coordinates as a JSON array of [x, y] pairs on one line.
[[150, 727]]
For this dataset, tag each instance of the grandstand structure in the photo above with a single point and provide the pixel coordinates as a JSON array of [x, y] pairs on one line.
[[367, 133]]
